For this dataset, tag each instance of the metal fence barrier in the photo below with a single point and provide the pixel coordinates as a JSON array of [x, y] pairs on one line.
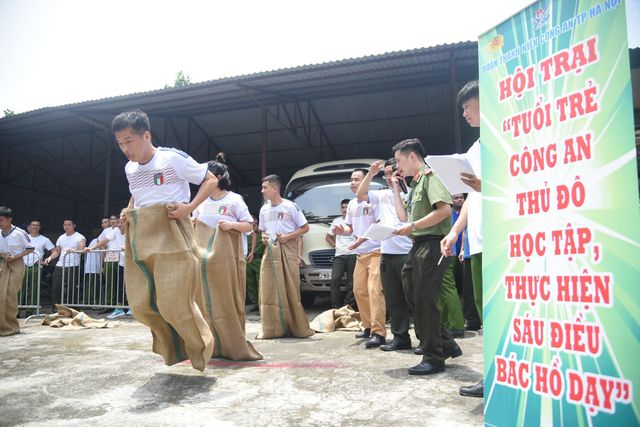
[[94, 279]]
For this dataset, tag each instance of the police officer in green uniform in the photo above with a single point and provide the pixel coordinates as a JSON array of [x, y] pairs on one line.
[[429, 210]]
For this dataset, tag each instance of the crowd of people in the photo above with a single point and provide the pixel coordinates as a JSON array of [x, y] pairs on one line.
[[189, 265]]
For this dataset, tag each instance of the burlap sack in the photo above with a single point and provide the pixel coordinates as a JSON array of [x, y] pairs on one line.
[[338, 319], [281, 311], [164, 287], [223, 270], [69, 319], [11, 275]]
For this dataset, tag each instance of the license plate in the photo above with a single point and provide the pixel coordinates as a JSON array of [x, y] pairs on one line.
[[325, 275]]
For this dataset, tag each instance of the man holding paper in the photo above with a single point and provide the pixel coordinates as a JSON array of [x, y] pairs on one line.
[[471, 212], [366, 277], [395, 252], [429, 211]]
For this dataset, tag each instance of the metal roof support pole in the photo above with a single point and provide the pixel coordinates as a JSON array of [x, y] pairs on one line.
[[453, 85], [107, 176], [265, 111]]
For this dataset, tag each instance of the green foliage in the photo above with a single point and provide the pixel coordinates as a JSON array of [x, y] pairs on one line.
[[182, 79], [9, 113]]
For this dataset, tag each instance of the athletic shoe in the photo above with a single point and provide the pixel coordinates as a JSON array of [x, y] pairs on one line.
[[129, 312], [116, 313]]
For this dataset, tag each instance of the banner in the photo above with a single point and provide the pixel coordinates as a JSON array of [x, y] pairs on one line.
[[561, 221]]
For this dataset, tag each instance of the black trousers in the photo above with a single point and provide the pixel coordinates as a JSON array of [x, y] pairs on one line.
[[71, 286], [394, 298], [422, 280], [342, 264]]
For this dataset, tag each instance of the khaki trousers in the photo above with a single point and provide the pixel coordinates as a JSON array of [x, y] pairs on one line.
[[367, 289]]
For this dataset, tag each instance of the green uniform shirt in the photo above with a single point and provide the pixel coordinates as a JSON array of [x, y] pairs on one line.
[[425, 193]]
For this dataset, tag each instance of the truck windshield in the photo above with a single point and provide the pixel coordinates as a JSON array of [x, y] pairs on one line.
[[319, 198]]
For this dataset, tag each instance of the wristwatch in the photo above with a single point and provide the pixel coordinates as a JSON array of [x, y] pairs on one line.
[[413, 226]]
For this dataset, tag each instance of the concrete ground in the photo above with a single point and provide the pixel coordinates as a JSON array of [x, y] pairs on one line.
[[106, 376]]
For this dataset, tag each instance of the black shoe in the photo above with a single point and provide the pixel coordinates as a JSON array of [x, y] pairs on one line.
[[375, 341], [396, 344], [418, 350], [453, 351], [476, 390], [457, 333], [425, 368], [472, 327], [364, 334]]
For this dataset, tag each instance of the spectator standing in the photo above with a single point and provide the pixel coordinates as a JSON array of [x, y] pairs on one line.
[[344, 261]]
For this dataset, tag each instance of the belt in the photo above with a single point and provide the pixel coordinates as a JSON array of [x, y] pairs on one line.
[[426, 237]]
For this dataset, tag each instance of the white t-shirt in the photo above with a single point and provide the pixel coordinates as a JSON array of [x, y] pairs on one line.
[[342, 242], [93, 260], [15, 242], [284, 218], [397, 245], [117, 244], [40, 244], [107, 233], [69, 243], [360, 215], [474, 199], [165, 178], [231, 207]]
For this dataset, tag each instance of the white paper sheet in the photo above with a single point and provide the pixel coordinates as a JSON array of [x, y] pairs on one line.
[[448, 169], [377, 231]]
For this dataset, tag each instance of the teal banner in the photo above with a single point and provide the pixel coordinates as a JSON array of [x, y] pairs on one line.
[[561, 221]]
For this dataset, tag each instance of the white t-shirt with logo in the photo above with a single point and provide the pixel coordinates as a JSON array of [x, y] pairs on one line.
[[40, 244], [72, 243], [15, 242], [474, 199], [231, 207], [284, 218], [342, 242], [360, 216], [165, 178], [384, 199]]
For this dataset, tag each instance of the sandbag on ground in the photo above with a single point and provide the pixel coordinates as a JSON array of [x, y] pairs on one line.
[[163, 284], [281, 311], [70, 319], [337, 319], [223, 270]]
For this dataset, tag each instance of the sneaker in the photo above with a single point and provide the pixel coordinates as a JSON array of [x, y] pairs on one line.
[[116, 313], [129, 312]]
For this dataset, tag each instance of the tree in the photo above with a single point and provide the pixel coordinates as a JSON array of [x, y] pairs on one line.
[[182, 79], [9, 113]]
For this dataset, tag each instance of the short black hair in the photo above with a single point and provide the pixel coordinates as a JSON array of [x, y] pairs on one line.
[[35, 220], [137, 120], [343, 201], [468, 91], [364, 171], [407, 146], [273, 179], [390, 162], [68, 218], [6, 212], [220, 171]]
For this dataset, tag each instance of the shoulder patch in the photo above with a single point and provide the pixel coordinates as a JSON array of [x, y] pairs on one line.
[[174, 150]]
